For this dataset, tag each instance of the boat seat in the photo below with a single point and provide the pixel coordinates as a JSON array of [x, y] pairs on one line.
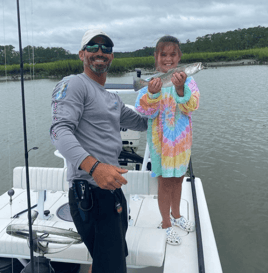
[[140, 182], [55, 179], [146, 246], [41, 179]]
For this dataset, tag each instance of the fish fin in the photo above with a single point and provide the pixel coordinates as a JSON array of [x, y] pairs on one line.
[[139, 83]]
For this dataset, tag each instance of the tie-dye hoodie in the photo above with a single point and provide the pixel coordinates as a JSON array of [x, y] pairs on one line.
[[169, 132]]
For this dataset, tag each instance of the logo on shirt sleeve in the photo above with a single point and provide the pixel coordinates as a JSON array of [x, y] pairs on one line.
[[61, 88], [116, 105]]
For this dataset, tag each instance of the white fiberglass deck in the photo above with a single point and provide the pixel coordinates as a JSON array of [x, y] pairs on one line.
[[146, 243]]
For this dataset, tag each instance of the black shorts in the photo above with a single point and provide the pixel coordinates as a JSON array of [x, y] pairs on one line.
[[105, 230]]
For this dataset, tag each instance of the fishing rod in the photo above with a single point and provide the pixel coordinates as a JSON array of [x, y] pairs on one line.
[[200, 254], [25, 145]]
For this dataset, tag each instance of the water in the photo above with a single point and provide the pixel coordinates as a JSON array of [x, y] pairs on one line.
[[229, 153]]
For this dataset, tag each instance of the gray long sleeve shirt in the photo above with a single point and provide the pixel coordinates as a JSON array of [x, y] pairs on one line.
[[86, 120]]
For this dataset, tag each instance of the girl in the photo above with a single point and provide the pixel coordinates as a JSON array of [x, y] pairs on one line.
[[169, 133]]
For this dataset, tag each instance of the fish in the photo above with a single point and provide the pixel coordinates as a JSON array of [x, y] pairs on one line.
[[189, 70]]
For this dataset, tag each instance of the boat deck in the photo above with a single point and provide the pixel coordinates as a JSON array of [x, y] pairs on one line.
[[145, 216]]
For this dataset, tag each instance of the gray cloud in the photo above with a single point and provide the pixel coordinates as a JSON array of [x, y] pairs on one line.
[[131, 25]]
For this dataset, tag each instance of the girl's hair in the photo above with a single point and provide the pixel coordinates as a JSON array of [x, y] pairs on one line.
[[168, 39]]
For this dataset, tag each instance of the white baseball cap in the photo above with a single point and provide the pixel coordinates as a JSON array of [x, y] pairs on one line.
[[91, 33]]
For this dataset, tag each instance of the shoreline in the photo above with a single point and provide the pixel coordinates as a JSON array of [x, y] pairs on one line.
[[28, 77], [242, 62], [234, 63]]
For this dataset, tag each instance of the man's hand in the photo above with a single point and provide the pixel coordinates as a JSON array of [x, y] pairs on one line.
[[109, 177], [178, 80], [106, 176], [155, 85]]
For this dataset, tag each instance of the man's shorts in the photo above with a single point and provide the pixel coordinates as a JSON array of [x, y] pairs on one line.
[[105, 230]]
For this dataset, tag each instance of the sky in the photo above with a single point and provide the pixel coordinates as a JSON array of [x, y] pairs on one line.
[[131, 25]]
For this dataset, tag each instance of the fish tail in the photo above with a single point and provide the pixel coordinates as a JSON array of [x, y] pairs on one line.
[[139, 83]]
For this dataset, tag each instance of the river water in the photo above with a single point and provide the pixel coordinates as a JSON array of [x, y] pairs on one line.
[[229, 153]]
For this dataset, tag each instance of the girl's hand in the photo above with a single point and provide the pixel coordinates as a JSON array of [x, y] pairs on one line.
[[155, 85], [178, 80]]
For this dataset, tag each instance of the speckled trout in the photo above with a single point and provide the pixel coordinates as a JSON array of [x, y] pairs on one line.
[[189, 70]]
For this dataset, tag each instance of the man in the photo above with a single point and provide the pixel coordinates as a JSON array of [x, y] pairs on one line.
[[86, 131]]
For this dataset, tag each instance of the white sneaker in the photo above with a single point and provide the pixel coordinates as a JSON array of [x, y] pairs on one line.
[[182, 223], [172, 237]]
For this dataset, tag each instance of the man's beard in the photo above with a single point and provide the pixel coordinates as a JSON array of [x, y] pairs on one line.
[[99, 69]]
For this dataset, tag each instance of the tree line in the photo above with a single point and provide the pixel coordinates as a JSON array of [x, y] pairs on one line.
[[39, 54], [240, 39]]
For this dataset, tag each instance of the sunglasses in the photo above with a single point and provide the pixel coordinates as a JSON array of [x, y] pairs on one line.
[[95, 48]]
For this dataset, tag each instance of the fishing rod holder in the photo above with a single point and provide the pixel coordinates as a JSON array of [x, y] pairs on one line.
[[42, 214]]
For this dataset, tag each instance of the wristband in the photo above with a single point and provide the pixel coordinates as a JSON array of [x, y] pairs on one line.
[[94, 167]]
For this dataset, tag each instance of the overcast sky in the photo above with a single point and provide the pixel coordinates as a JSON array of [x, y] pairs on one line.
[[132, 25]]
